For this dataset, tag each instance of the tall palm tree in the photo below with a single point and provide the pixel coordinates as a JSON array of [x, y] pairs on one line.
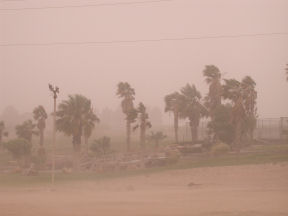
[[89, 120], [238, 120], [40, 115], [26, 130], [232, 91], [248, 86], [174, 103], [193, 109], [243, 96], [144, 123], [3, 132], [71, 120], [125, 91], [213, 79]]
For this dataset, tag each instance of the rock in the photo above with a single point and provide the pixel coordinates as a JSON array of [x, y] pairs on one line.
[[191, 184]]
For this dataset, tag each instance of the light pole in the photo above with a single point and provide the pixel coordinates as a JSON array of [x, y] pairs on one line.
[[55, 91]]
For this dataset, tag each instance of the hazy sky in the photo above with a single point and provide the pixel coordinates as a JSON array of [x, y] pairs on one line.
[[154, 69]]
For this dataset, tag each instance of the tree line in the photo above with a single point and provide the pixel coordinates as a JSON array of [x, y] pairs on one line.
[[230, 106]]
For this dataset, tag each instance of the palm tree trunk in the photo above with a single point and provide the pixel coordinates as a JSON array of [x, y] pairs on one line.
[[142, 137], [176, 126], [194, 132], [251, 132], [41, 137], [237, 142], [128, 135], [41, 150], [86, 144], [77, 151]]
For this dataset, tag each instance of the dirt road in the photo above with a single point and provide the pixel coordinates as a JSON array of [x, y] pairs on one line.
[[254, 190]]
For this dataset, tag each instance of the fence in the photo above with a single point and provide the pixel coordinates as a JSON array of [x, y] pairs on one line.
[[266, 128], [272, 128]]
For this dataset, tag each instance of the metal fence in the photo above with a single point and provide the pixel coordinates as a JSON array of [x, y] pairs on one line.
[[272, 128], [266, 128]]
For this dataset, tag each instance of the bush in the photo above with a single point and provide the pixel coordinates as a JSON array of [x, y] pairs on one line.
[[220, 149], [221, 126], [20, 150], [101, 146]]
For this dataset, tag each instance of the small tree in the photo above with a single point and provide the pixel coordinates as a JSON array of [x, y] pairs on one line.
[[221, 126], [101, 146], [20, 149], [156, 137], [3, 132], [26, 130]]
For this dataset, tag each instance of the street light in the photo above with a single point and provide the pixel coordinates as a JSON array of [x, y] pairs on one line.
[[55, 91]]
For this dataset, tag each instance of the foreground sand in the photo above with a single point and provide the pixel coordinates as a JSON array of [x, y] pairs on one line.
[[252, 190]]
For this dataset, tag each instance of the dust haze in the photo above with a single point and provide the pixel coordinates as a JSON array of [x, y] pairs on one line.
[[153, 69], [166, 107]]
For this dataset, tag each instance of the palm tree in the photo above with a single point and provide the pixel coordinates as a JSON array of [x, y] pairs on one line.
[[231, 89], [213, 78], [238, 120], [248, 86], [26, 130], [3, 132], [127, 93], [89, 121], [20, 149], [174, 103], [72, 119], [143, 124], [156, 137], [40, 115], [193, 109], [243, 96]]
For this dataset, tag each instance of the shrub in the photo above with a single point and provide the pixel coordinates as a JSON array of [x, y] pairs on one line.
[[221, 126], [101, 146], [20, 150], [220, 149]]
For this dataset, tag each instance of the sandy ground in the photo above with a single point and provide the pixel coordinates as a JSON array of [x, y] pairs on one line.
[[252, 190]]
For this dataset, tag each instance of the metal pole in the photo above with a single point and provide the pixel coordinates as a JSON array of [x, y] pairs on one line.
[[53, 144], [55, 91]]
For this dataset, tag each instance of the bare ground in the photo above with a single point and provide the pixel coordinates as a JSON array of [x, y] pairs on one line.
[[253, 190]]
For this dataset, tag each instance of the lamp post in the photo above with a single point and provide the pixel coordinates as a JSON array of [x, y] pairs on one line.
[[55, 91]]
